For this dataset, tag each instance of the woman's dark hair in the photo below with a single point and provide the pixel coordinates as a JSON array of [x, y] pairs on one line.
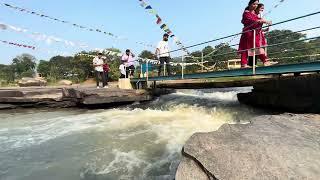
[[260, 5], [249, 4]]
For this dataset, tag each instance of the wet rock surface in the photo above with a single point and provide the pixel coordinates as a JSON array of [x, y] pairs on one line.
[[72, 97], [270, 147]]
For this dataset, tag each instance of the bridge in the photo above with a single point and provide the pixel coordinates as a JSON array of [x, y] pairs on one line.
[[294, 68], [270, 70]]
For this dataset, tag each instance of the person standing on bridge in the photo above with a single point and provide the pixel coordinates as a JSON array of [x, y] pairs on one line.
[[259, 11], [251, 21], [163, 52], [261, 35]]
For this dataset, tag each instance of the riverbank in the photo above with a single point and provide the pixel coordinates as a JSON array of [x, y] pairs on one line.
[[66, 97]]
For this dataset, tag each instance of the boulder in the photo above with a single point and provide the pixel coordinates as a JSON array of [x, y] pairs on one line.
[[65, 83], [270, 147], [29, 82]]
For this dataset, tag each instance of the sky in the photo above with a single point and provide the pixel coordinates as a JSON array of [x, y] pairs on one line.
[[192, 21]]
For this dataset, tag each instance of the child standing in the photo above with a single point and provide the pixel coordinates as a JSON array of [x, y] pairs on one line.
[[122, 69]]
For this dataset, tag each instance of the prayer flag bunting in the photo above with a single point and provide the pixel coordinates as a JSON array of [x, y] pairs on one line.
[[163, 26], [72, 24]]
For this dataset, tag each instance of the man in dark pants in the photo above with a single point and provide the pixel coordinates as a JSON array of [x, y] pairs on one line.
[[98, 62], [164, 56]]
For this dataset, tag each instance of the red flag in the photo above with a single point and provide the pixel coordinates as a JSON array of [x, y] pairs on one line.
[[159, 20]]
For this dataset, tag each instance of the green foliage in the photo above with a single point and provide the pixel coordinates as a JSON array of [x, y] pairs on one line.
[[147, 54], [43, 68], [114, 73], [7, 74], [24, 65], [76, 69], [290, 49]]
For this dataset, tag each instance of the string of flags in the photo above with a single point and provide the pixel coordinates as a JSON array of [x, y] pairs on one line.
[[18, 44], [43, 37], [73, 24], [167, 30], [162, 25], [49, 39], [105, 52], [274, 7]]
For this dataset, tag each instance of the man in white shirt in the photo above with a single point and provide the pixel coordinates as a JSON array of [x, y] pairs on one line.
[[98, 62], [163, 52], [128, 60]]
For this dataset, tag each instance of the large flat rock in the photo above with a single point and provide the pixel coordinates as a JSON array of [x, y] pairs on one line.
[[270, 147], [71, 96], [91, 96]]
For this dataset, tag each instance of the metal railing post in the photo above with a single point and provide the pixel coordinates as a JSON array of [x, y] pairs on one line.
[[266, 48], [182, 67], [141, 72], [147, 70], [202, 61], [254, 53]]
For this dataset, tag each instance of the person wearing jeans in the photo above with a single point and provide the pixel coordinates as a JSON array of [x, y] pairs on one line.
[[163, 52], [98, 62]]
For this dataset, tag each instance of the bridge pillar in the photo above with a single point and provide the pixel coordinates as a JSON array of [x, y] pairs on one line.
[[297, 74], [143, 85], [125, 84]]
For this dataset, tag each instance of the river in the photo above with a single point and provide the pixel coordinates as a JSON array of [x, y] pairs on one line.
[[139, 141]]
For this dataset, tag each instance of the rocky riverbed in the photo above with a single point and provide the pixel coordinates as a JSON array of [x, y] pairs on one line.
[[65, 97], [283, 146]]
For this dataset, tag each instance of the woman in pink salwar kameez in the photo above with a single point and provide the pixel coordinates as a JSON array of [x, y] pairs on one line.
[[251, 21]]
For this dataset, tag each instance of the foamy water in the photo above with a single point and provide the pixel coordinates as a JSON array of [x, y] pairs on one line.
[[142, 141]]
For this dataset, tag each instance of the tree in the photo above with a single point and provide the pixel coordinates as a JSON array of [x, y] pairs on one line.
[[207, 50], [223, 52], [146, 54], [286, 49], [44, 68], [84, 64], [7, 73], [24, 65], [114, 63]]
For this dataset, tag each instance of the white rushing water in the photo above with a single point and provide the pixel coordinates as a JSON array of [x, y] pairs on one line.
[[141, 141]]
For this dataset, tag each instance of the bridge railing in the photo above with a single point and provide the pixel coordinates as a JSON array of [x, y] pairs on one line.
[[203, 63]]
